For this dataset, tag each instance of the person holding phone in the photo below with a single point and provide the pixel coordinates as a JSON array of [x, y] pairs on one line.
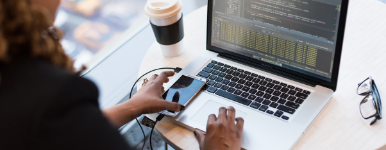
[[44, 104]]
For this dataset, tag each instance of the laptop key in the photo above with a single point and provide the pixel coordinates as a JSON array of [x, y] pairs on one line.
[[241, 81], [222, 74], [281, 101], [262, 88], [255, 105], [292, 105], [256, 80], [212, 89], [236, 73], [274, 98], [228, 77], [254, 75], [266, 102], [204, 74], [240, 70], [278, 113], [252, 91], [260, 93], [291, 98], [283, 84], [277, 87], [247, 73], [268, 79], [298, 89], [217, 85], [252, 97], [233, 97], [235, 79], [232, 84], [227, 66], [269, 112], [210, 65], [283, 95], [286, 109], [219, 79], [255, 86], [267, 96], [292, 92], [248, 83], [263, 82], [211, 82], [270, 85], [242, 76], [276, 93], [233, 68], [216, 67], [215, 72], [223, 69], [306, 92], [284, 90], [259, 99], [229, 71], [245, 88], [275, 82], [301, 95], [284, 117], [274, 105], [290, 87], [225, 81], [245, 94], [212, 77], [269, 91], [220, 64], [263, 108], [224, 87], [213, 61], [238, 92], [231, 90], [249, 78], [299, 101], [208, 70], [261, 77], [239, 86]]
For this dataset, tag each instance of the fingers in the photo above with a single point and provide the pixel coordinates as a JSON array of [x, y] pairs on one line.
[[200, 137], [239, 124], [222, 115], [163, 77], [231, 114], [153, 77], [211, 119]]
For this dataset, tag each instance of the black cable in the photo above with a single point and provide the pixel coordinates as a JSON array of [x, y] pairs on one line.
[[159, 118], [177, 70]]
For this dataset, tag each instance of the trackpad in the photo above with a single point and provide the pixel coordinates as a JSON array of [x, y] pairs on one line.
[[212, 107]]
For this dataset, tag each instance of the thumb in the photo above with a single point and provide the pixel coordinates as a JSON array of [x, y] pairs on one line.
[[200, 137], [172, 106]]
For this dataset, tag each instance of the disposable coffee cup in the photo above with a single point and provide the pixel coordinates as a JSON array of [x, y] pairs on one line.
[[167, 22]]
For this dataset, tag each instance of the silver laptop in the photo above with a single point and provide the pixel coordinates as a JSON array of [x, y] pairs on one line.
[[275, 61]]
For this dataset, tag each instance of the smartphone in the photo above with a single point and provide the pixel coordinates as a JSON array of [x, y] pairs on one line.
[[182, 91]]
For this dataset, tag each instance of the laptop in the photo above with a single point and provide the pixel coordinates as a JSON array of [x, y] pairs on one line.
[[275, 61]]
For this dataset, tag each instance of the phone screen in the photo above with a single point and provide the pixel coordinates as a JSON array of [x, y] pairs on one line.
[[185, 87]]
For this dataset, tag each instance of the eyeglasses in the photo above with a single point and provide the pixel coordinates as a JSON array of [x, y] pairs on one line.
[[371, 105]]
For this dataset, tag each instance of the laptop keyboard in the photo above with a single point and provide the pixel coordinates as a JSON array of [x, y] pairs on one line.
[[275, 98]]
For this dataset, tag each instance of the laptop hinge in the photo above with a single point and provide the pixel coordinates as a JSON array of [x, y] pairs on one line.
[[267, 68]]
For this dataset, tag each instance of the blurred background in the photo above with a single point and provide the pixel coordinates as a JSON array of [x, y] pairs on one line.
[[90, 25]]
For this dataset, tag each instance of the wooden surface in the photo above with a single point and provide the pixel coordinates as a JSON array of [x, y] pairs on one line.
[[340, 125]]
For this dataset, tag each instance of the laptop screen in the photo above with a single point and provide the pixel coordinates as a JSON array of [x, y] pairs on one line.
[[299, 35]]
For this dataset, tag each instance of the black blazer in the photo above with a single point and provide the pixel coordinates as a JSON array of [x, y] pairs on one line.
[[45, 107]]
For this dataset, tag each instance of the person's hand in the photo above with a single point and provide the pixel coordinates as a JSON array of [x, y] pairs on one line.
[[149, 97], [222, 133], [147, 100]]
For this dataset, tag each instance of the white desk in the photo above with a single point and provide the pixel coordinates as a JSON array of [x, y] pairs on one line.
[[340, 125]]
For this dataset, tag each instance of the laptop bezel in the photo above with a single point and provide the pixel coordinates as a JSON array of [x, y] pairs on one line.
[[339, 46]]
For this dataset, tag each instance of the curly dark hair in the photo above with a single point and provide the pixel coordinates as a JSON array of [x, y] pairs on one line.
[[24, 32]]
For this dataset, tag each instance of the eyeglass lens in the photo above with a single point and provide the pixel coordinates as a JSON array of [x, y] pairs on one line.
[[364, 87], [368, 107]]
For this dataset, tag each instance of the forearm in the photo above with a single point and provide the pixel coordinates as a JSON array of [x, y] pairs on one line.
[[120, 114]]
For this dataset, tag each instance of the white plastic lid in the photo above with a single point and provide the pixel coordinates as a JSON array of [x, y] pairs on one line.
[[159, 9]]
